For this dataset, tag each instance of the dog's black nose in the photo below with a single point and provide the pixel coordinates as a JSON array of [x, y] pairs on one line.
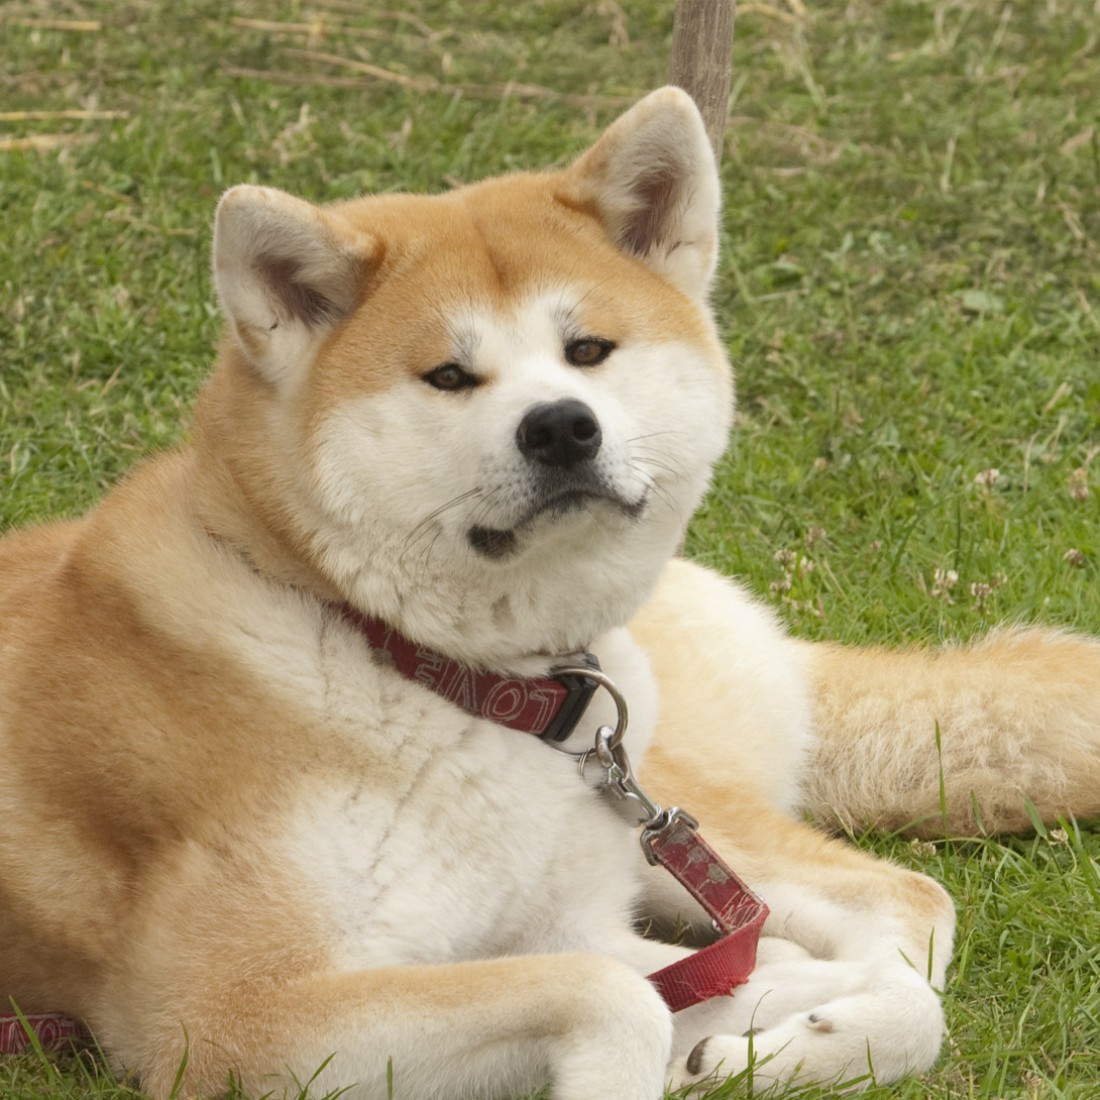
[[559, 433]]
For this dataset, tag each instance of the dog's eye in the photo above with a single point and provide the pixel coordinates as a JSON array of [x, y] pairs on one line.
[[450, 376], [588, 351]]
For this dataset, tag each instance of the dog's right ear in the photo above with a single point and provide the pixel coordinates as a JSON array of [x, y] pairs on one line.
[[287, 272]]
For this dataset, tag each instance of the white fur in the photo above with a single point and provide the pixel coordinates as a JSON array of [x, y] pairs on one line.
[[836, 1022], [428, 474]]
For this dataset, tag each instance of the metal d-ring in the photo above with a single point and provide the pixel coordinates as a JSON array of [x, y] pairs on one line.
[[608, 685], [618, 776]]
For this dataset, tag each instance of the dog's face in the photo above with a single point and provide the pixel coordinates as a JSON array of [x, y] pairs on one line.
[[489, 413]]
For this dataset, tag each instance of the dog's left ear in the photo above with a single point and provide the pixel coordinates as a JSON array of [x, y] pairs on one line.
[[651, 179]]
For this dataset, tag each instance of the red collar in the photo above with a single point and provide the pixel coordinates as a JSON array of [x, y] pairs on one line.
[[549, 708]]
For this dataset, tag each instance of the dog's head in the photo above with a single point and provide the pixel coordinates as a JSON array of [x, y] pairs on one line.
[[484, 416]]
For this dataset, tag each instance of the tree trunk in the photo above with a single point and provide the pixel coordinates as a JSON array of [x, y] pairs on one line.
[[702, 62]]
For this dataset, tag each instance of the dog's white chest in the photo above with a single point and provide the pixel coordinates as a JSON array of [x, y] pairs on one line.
[[490, 845], [451, 837]]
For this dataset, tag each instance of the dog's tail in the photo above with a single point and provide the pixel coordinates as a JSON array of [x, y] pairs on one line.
[[990, 737]]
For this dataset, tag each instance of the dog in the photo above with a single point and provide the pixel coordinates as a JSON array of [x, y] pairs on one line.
[[242, 842]]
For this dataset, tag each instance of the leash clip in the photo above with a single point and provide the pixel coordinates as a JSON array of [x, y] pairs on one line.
[[620, 780], [616, 774], [670, 839], [655, 820]]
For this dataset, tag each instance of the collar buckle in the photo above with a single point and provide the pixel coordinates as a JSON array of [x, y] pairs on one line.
[[579, 691]]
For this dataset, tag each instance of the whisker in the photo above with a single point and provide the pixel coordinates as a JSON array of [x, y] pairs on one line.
[[453, 502], [657, 490], [482, 508], [424, 527], [422, 524], [654, 435], [644, 460]]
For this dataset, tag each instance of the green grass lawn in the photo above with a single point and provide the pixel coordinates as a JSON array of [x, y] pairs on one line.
[[910, 292]]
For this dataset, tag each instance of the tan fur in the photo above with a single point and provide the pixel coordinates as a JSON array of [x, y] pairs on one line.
[[1017, 716], [475, 246], [144, 765]]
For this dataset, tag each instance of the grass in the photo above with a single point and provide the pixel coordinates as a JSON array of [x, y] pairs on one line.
[[910, 292]]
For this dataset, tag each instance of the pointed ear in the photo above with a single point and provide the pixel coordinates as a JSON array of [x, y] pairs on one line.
[[652, 181], [287, 273]]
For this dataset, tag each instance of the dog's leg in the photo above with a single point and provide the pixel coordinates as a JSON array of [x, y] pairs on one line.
[[851, 1015], [732, 741], [586, 1024], [853, 952], [867, 942], [955, 740], [846, 980], [869, 1025], [830, 898]]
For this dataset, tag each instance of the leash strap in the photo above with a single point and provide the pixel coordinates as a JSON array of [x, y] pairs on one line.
[[670, 838], [46, 1030], [738, 914]]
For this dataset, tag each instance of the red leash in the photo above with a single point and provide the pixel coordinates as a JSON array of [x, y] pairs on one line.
[[738, 914], [49, 1031], [670, 839]]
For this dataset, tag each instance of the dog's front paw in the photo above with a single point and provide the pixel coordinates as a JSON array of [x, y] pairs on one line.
[[890, 1028], [761, 1051]]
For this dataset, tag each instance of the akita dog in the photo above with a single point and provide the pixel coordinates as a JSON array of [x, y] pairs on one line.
[[240, 838]]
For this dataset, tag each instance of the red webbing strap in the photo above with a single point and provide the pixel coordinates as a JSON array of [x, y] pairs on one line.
[[51, 1030], [530, 705], [737, 912]]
